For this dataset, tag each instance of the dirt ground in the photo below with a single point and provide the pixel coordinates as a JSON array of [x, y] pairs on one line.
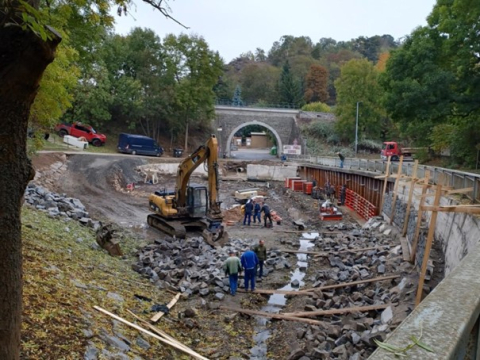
[[100, 182]]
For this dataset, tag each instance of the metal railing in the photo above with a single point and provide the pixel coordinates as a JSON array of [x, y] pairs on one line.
[[229, 102], [447, 177]]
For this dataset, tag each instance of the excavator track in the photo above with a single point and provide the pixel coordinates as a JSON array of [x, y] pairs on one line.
[[172, 228]]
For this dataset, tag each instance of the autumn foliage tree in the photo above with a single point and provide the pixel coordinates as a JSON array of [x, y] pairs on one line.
[[316, 84]]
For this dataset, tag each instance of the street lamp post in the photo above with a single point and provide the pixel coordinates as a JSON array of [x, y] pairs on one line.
[[219, 135], [356, 130]]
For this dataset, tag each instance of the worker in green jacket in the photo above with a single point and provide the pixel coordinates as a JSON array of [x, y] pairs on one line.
[[232, 268], [261, 252]]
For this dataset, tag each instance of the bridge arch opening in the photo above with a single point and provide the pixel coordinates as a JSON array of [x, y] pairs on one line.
[[254, 122]]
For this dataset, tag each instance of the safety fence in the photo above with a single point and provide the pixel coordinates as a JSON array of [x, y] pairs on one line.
[[360, 205], [447, 177]]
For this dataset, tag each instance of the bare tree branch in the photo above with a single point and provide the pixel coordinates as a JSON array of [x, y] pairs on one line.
[[162, 6]]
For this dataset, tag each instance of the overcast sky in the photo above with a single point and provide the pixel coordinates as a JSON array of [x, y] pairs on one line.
[[234, 27]]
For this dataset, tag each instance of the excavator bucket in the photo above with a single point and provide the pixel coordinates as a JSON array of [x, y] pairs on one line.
[[219, 238]]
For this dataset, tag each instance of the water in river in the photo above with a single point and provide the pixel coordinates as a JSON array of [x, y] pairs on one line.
[[277, 301]]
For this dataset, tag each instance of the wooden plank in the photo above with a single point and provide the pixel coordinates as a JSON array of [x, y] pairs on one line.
[[419, 218], [327, 253], [158, 315], [395, 190], [428, 245], [338, 311], [387, 171], [460, 191], [270, 315], [468, 209], [321, 288], [353, 283], [297, 231], [159, 331], [409, 202], [165, 341]]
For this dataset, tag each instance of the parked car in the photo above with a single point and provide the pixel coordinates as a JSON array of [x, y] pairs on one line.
[[81, 130], [138, 145]]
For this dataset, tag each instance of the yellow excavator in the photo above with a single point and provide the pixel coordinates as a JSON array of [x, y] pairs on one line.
[[191, 207]]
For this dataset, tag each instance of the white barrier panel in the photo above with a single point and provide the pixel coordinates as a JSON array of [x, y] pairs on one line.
[[72, 140], [270, 173]]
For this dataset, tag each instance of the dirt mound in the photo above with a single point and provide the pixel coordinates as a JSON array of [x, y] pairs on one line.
[[100, 183], [233, 214]]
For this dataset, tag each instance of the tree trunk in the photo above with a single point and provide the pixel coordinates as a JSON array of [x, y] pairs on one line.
[[23, 59]]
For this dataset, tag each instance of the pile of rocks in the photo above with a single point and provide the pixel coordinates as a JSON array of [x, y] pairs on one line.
[[193, 267], [58, 205], [351, 336]]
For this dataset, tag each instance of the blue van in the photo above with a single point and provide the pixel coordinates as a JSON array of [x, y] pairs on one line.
[[138, 145]]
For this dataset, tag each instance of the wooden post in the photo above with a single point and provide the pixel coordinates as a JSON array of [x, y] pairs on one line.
[[387, 171], [410, 194], [419, 217], [428, 245], [395, 189]]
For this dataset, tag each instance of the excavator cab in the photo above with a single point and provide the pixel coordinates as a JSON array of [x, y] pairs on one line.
[[197, 201]]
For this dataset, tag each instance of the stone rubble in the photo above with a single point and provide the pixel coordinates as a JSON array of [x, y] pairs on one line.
[[58, 205], [350, 336], [193, 267]]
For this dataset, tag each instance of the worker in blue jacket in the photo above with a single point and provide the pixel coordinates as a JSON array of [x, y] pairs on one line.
[[249, 263], [248, 212], [256, 212]]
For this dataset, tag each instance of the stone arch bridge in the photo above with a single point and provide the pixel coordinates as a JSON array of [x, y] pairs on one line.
[[281, 122]]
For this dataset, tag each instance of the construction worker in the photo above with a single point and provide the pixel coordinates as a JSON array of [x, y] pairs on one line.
[[248, 212], [343, 194], [232, 268], [342, 159], [256, 212], [266, 210], [249, 262], [261, 252]]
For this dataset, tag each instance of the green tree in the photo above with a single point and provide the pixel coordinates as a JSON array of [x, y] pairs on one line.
[[237, 97], [55, 93], [93, 98], [317, 107], [288, 47], [27, 47], [258, 82], [316, 84], [290, 93], [195, 69], [222, 90], [358, 82]]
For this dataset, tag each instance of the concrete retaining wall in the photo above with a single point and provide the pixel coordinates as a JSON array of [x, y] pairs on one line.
[[270, 173], [457, 233]]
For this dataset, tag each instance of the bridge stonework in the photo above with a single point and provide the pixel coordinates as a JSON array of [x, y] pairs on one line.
[[281, 122]]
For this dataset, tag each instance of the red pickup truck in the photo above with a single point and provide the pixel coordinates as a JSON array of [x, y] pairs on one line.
[[80, 130]]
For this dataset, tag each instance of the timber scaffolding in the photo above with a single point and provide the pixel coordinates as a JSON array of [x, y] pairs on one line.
[[366, 190]]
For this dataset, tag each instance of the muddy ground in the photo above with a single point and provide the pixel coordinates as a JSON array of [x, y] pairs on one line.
[[100, 182]]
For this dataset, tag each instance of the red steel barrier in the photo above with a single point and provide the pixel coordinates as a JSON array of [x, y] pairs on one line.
[[360, 205], [307, 188], [297, 185]]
